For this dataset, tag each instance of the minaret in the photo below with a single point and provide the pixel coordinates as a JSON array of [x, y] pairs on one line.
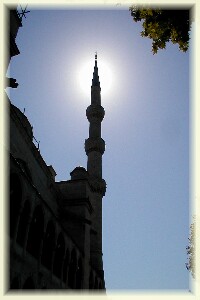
[[95, 147]]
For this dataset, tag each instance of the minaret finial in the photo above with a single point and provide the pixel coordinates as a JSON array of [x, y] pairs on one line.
[[95, 80]]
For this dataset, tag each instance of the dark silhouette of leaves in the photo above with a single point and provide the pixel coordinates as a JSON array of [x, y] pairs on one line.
[[163, 26]]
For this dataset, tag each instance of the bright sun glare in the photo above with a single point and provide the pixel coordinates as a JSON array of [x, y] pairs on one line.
[[85, 76]]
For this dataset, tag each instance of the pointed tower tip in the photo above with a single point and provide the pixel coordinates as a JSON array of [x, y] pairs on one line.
[[95, 80]]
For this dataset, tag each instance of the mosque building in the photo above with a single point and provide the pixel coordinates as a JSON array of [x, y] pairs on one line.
[[55, 228]]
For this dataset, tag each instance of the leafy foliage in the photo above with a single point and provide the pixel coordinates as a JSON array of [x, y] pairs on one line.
[[190, 265], [163, 26]]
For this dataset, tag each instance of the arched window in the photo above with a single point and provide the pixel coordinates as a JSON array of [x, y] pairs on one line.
[[100, 286], [96, 284], [79, 274], [14, 284], [48, 246], [24, 167], [72, 270], [65, 267], [23, 224], [91, 281], [36, 232], [29, 284], [15, 201], [59, 256]]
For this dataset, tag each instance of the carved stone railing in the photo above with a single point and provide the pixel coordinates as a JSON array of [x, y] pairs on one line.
[[96, 144], [97, 185], [95, 112]]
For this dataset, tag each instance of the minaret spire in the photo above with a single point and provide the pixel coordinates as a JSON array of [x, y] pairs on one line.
[[95, 80], [95, 147]]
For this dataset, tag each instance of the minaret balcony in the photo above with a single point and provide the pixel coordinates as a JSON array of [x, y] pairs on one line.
[[97, 185], [95, 112], [94, 144]]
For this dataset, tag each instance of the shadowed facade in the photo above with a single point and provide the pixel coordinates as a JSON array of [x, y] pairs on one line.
[[55, 228]]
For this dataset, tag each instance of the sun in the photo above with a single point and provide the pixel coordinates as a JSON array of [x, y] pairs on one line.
[[85, 75]]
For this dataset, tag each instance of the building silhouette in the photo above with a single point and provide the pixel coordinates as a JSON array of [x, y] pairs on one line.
[[55, 228]]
